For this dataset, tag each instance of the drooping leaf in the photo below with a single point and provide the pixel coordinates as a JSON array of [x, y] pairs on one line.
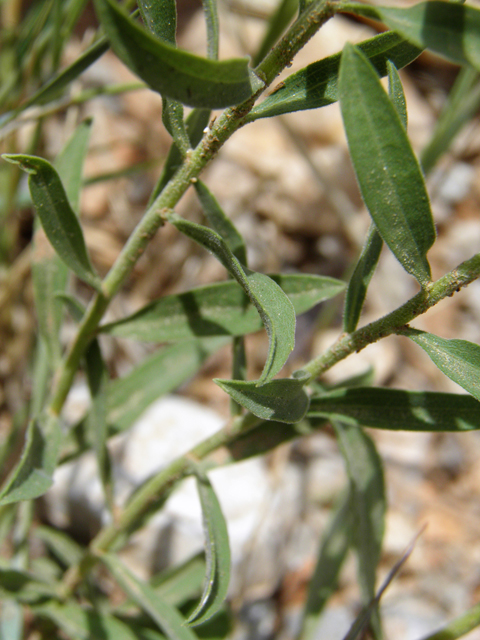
[[56, 215], [32, 476], [459, 360], [217, 553], [168, 619], [283, 400], [395, 409], [220, 222], [317, 84], [451, 29], [334, 545], [395, 92], [218, 309], [278, 22], [365, 472], [275, 309], [388, 173], [173, 73]]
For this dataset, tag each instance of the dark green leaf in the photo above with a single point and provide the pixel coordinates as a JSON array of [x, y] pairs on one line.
[[213, 28], [365, 471], [218, 309], [160, 18], [333, 549], [56, 215], [32, 476], [277, 24], [459, 360], [219, 221], [395, 92], [317, 85], [217, 553], [388, 173], [395, 409], [362, 274], [451, 29], [60, 544], [176, 74], [284, 400], [275, 309], [169, 620], [24, 587]]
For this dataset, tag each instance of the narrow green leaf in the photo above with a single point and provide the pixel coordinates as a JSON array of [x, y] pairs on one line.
[[176, 74], [388, 173], [395, 409], [451, 29], [218, 309], [32, 476], [220, 223], [217, 553], [213, 28], [459, 626], [168, 619], [317, 84], [459, 360], [365, 471], [69, 162], [284, 400], [56, 215], [61, 545], [361, 276], [160, 18], [278, 22], [334, 545], [275, 309], [182, 582], [172, 118], [395, 92], [11, 620], [24, 587]]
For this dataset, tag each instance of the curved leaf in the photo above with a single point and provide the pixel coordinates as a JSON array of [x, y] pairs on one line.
[[459, 626], [160, 18], [395, 409], [451, 29], [283, 400], [173, 73], [387, 170], [56, 215], [317, 84], [459, 360], [395, 92], [275, 309], [217, 553]]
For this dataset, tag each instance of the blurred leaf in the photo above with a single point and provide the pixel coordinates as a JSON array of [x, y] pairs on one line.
[[213, 28], [220, 222], [284, 399], [388, 173], [217, 553], [69, 162], [275, 309], [173, 73], [218, 309], [278, 22], [24, 587], [182, 582], [160, 17], [32, 476], [451, 29], [169, 619], [459, 360], [459, 626], [394, 409], [365, 471], [56, 215], [11, 620], [361, 276], [334, 546], [60, 544], [395, 92], [317, 84]]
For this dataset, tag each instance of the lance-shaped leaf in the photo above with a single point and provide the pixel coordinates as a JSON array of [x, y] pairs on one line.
[[395, 409], [283, 400], [213, 28], [275, 309], [317, 84], [387, 171], [365, 471], [458, 627], [395, 92], [217, 553], [450, 29], [173, 73], [32, 476], [12, 617], [459, 360], [69, 162], [218, 309], [56, 215], [168, 619]]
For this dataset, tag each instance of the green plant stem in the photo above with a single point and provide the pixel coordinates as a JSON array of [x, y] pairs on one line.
[[395, 321]]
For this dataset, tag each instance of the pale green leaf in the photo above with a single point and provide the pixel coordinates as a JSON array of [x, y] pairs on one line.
[[459, 626], [61, 545], [283, 400], [173, 73], [56, 215], [317, 84], [217, 553], [12, 618], [69, 162], [387, 170], [213, 28]]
